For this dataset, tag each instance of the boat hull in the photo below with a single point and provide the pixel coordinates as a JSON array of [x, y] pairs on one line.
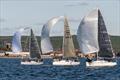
[[100, 63], [65, 62], [31, 63]]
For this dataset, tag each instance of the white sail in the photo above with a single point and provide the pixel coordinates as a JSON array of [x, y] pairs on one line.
[[68, 45], [46, 45], [87, 34], [16, 40]]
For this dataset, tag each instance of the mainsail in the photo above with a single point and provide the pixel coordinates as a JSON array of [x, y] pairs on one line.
[[103, 39], [68, 46], [87, 34], [46, 45], [16, 41], [34, 47]]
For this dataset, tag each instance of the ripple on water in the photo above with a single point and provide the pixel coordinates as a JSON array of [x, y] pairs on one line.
[[10, 69]]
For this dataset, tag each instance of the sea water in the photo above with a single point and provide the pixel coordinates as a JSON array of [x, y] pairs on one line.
[[11, 69]]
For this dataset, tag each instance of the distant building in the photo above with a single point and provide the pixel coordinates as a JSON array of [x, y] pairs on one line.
[[8, 46]]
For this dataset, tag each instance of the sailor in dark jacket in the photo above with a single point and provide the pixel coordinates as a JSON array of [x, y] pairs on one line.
[[88, 60]]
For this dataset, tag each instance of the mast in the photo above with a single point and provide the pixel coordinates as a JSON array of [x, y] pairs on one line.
[[68, 46], [34, 47], [97, 56]]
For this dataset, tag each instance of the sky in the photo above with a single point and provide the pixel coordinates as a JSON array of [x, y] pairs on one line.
[[16, 14]]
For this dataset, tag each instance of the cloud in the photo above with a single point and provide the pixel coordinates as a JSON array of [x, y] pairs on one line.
[[30, 25], [70, 5], [39, 24], [74, 19], [76, 4], [83, 4], [6, 28], [2, 20]]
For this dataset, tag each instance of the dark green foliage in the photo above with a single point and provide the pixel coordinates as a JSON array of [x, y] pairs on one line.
[[115, 43], [57, 42]]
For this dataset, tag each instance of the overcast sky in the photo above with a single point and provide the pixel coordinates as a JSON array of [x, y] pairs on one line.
[[15, 14]]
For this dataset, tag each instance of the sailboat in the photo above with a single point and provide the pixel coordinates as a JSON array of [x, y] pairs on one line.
[[93, 38], [35, 52], [16, 43], [69, 56]]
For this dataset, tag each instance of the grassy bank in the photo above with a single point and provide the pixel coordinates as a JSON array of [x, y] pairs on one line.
[[57, 42]]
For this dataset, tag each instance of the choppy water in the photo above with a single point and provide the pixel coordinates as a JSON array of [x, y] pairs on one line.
[[10, 69]]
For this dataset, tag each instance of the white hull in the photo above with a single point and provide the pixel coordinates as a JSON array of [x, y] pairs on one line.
[[100, 63], [20, 53], [65, 62], [31, 63]]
